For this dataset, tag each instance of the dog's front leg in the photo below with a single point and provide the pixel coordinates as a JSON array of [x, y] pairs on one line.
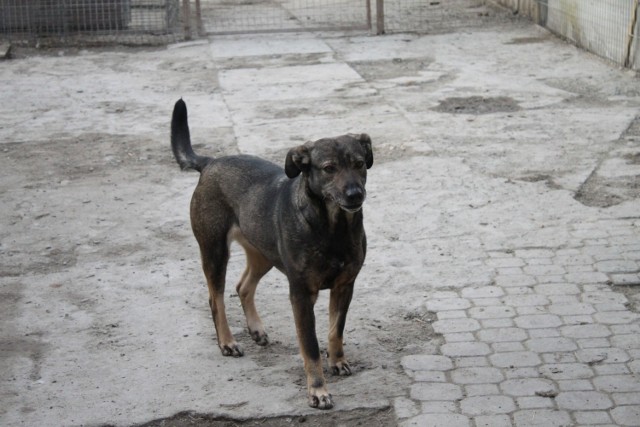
[[338, 306], [302, 302]]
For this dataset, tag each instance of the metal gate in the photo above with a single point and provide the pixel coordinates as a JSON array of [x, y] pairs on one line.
[[247, 16]]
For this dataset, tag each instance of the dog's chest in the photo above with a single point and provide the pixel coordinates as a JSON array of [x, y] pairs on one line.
[[339, 267]]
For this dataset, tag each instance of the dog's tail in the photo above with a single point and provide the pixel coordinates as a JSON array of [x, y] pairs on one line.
[[181, 140]]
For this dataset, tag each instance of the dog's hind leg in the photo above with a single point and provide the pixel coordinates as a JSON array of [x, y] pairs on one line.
[[257, 266], [214, 264], [338, 306]]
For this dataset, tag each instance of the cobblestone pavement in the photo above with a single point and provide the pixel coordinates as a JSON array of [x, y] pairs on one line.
[[548, 343]]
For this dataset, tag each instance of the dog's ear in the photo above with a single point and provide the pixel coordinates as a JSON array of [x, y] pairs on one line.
[[365, 140], [298, 160]]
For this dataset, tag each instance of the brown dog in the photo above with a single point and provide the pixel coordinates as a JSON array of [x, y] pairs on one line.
[[305, 220]]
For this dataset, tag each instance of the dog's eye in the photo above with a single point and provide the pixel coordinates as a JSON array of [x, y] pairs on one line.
[[329, 169], [359, 164]]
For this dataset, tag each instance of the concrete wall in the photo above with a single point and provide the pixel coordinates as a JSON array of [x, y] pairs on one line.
[[600, 26]]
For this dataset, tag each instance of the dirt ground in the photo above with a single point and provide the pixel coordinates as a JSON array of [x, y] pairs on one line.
[[104, 308]]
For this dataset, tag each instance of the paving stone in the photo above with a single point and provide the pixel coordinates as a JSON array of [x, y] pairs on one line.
[[551, 345], [540, 261], [502, 334], [564, 299], [585, 331], [455, 325], [601, 297], [525, 311], [425, 362], [587, 277], [592, 342], [487, 405], [565, 309], [631, 398], [481, 389], [471, 362], [476, 375], [592, 417], [515, 359], [529, 372], [482, 292], [532, 402], [484, 302], [538, 321], [452, 314], [616, 317], [493, 421], [625, 279], [608, 306], [573, 259], [611, 369], [617, 383], [428, 376], [626, 415], [566, 371], [505, 262], [577, 320], [447, 304], [509, 271], [624, 329], [461, 349], [559, 357], [543, 333], [541, 418], [504, 322], [549, 278], [438, 407], [506, 347], [528, 387], [459, 336], [437, 420], [602, 355], [617, 266], [634, 365], [515, 280], [492, 312], [544, 270], [574, 385], [627, 342], [534, 300], [583, 400], [557, 289], [519, 290], [435, 391], [534, 253]]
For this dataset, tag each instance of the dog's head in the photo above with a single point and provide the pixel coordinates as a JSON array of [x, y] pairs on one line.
[[335, 168]]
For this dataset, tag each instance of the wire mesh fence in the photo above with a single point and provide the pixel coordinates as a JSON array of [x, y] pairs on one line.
[[232, 16], [124, 21], [605, 27], [608, 28], [429, 16]]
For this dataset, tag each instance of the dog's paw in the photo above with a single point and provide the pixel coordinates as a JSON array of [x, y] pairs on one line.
[[231, 349], [261, 338], [320, 398], [341, 368]]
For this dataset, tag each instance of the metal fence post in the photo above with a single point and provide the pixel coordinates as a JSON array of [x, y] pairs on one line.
[[186, 16], [379, 17]]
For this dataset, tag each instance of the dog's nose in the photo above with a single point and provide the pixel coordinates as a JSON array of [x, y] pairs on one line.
[[354, 195]]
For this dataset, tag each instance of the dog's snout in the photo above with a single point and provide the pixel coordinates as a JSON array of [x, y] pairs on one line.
[[354, 194]]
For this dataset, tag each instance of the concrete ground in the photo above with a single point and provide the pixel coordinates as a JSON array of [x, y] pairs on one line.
[[501, 283]]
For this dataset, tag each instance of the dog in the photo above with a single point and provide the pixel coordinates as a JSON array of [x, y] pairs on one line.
[[305, 220]]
